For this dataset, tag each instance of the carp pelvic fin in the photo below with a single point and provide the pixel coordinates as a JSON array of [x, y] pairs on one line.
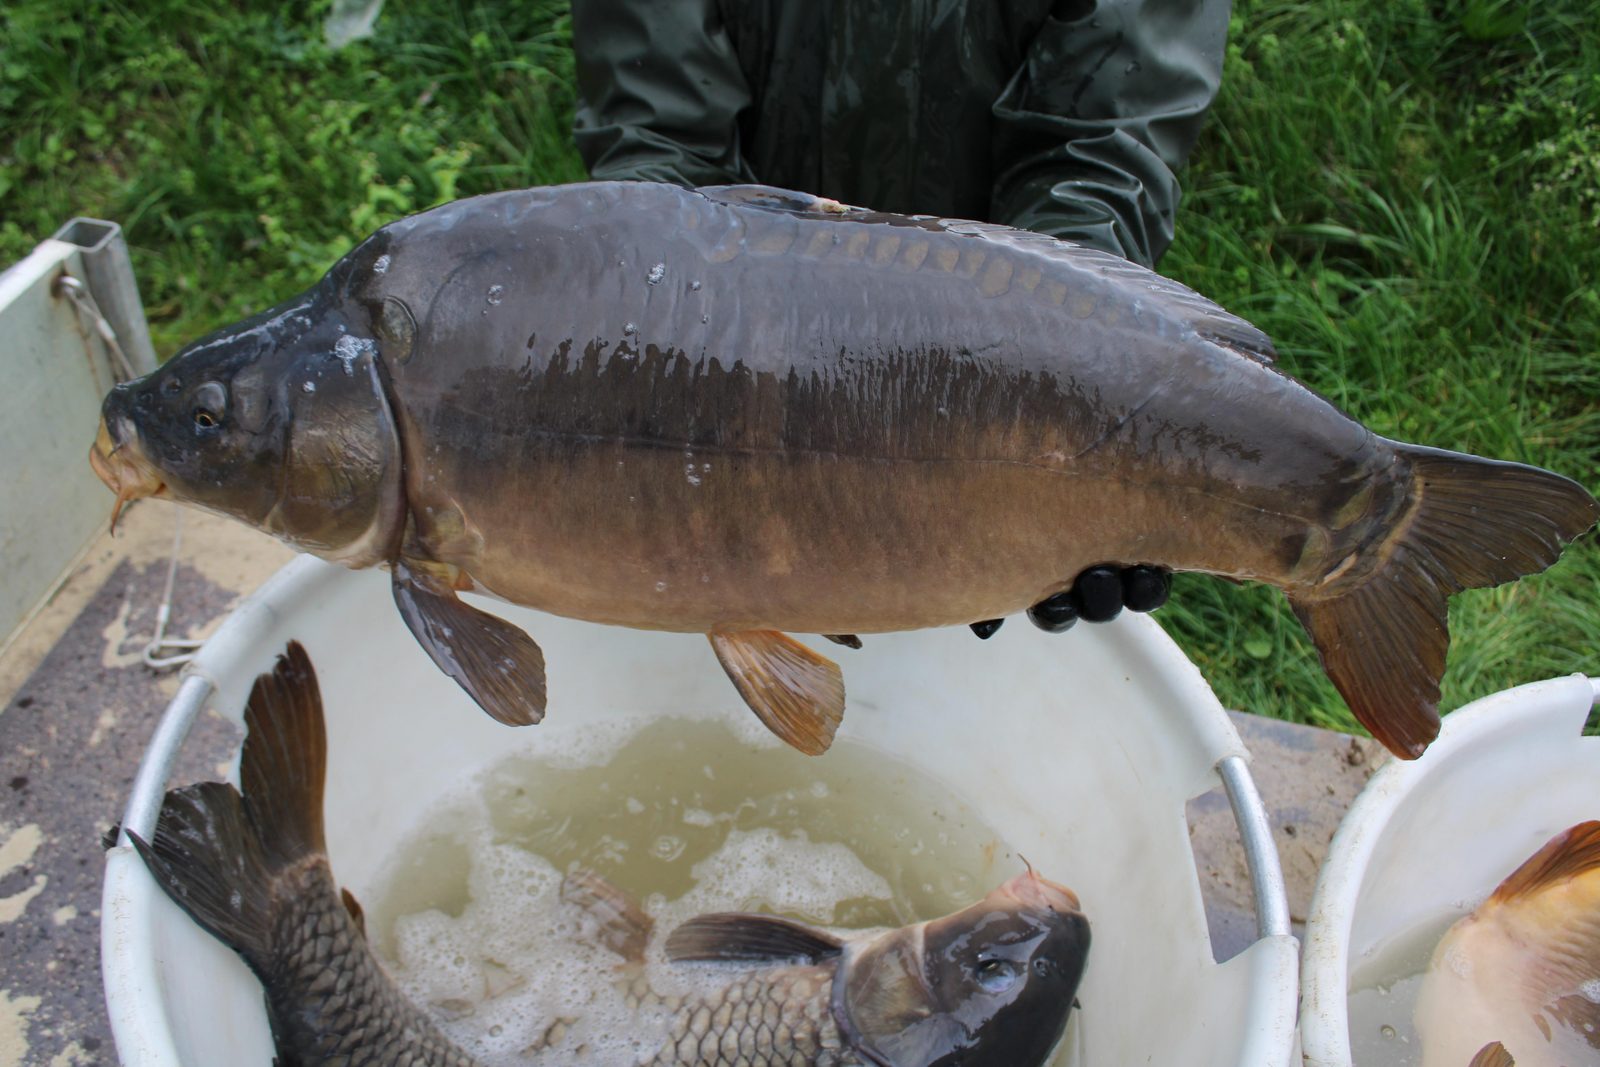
[[798, 694], [498, 665], [217, 854], [1473, 522], [754, 938], [625, 927], [1493, 1054]]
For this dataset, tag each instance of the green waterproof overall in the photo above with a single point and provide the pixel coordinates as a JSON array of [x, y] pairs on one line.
[[1067, 117]]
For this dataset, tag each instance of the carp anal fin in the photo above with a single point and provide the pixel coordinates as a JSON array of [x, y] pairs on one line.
[[796, 693], [498, 665], [752, 938], [358, 914], [625, 927], [1475, 522], [1493, 1055]]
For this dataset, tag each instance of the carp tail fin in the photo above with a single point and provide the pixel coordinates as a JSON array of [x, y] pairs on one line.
[[218, 854], [1474, 522]]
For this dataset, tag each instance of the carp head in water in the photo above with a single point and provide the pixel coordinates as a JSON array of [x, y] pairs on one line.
[[280, 421], [991, 984]]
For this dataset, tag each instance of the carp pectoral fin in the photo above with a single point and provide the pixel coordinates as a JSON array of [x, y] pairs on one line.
[[798, 694], [1493, 1055], [1473, 523], [758, 938], [625, 927], [495, 662]]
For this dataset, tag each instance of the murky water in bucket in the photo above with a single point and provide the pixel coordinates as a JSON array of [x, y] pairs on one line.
[[1383, 995], [687, 817]]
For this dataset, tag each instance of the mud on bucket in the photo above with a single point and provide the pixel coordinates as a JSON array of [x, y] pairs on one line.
[[1079, 754]]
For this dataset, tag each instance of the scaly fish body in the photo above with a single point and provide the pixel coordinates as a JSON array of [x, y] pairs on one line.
[[743, 411], [817, 425], [990, 985], [1523, 970]]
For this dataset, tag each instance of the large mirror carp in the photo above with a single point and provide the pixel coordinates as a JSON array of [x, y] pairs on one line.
[[741, 411]]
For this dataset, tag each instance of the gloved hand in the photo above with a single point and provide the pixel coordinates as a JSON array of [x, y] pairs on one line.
[[1097, 595]]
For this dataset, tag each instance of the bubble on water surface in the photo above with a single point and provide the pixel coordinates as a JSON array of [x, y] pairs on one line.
[[497, 293], [657, 272]]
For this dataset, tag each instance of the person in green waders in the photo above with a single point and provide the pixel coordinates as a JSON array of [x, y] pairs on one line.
[[1067, 117]]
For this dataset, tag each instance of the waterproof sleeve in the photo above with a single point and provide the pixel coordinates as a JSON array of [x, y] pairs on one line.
[[1103, 112], [660, 90]]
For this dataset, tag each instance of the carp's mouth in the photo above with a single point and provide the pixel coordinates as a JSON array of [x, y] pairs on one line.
[[124, 471]]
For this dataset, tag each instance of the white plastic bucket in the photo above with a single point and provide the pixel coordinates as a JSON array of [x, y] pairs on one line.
[[1084, 750], [1507, 773]]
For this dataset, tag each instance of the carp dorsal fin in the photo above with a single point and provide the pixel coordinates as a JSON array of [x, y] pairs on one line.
[[625, 927], [1493, 1055], [753, 938], [796, 693], [1570, 853], [498, 665], [772, 198]]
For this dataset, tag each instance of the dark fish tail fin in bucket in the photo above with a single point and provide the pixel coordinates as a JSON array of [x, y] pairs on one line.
[[1474, 523], [217, 854]]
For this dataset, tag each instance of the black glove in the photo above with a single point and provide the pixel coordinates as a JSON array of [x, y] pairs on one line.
[[1098, 595]]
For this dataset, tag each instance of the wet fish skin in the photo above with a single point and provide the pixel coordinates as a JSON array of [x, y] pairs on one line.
[[742, 412], [252, 870], [990, 985], [1523, 970]]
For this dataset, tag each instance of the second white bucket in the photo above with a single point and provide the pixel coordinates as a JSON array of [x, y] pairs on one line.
[[1085, 749], [1429, 840]]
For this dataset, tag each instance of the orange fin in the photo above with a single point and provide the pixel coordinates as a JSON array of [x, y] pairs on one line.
[[1564, 857], [498, 665], [754, 938], [1474, 522], [625, 927], [798, 694], [1493, 1055]]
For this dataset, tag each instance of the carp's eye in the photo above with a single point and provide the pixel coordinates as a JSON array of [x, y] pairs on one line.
[[1042, 966], [396, 328], [996, 976], [209, 403]]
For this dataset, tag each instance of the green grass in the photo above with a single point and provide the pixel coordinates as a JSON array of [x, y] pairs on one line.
[[1404, 194]]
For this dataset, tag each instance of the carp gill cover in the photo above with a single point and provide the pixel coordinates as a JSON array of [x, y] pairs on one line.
[[744, 412]]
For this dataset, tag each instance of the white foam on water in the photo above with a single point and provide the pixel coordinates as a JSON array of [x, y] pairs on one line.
[[699, 821], [517, 977]]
